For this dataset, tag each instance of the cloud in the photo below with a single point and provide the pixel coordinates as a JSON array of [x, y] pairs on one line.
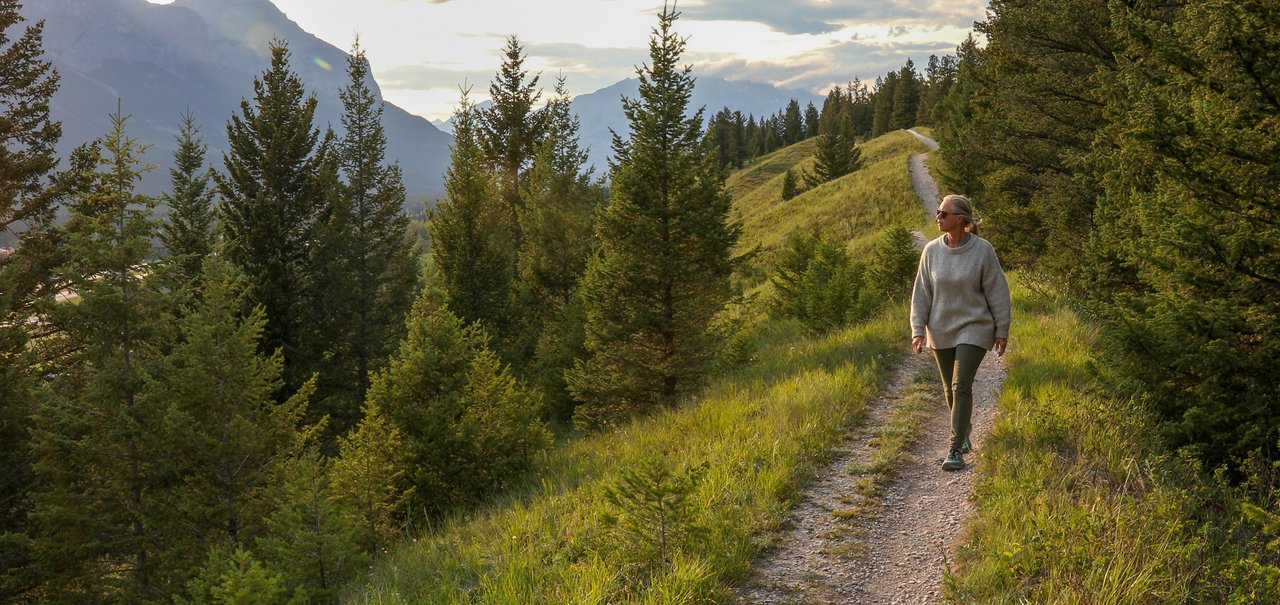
[[836, 64], [796, 17], [825, 16], [586, 69], [580, 60], [431, 76]]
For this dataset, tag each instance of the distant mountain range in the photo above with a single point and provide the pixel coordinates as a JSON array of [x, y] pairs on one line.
[[601, 110], [202, 55]]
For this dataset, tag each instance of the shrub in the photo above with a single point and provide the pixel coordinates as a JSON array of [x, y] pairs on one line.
[[892, 268], [651, 513], [817, 282]]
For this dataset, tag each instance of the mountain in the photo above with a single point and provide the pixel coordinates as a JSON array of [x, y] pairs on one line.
[[601, 111], [158, 61]]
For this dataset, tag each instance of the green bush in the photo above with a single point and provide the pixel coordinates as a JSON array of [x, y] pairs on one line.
[[468, 427], [816, 281], [892, 268], [233, 578], [650, 512]]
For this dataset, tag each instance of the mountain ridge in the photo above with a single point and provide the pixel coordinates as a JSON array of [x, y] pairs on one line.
[[158, 61]]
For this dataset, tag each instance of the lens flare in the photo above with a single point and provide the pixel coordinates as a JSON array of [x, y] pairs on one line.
[[322, 63]]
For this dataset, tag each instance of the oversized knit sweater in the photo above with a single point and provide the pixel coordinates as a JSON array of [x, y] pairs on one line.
[[960, 296]]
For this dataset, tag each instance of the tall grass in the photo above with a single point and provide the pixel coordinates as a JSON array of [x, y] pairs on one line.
[[1080, 503], [758, 433]]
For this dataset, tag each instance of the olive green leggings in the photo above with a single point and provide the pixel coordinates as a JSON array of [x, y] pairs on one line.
[[958, 365]]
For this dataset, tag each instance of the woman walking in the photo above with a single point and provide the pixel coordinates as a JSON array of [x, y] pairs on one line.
[[960, 309]]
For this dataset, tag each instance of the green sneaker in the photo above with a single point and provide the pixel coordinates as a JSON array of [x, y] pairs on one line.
[[954, 462], [966, 447]]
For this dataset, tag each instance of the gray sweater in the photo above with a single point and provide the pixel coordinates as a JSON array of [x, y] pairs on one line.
[[961, 295]]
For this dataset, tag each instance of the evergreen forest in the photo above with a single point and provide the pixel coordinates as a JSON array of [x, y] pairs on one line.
[[271, 385]]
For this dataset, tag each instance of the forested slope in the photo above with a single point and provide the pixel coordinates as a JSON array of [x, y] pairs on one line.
[[727, 461]]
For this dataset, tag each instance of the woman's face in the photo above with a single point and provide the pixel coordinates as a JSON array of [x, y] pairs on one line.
[[946, 217]]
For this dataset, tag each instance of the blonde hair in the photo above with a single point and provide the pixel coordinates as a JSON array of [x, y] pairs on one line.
[[961, 206]]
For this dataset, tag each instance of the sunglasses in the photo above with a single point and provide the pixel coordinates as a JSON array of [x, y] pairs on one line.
[[944, 214]]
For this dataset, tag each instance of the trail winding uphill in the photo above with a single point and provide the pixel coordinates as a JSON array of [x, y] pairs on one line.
[[926, 188], [887, 546]]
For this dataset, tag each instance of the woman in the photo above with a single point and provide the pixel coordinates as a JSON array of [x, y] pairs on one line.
[[960, 308]]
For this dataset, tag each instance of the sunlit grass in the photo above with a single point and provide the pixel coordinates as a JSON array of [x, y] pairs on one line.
[[759, 432], [856, 207], [1079, 503]]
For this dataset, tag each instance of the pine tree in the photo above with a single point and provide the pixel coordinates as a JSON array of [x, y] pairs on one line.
[[1037, 111], [510, 130], [836, 153], [187, 231], [272, 192], [752, 137], [740, 145], [811, 119], [468, 428], [792, 124], [961, 168], [1187, 263], [501, 426], [217, 391], [861, 108], [96, 440], [767, 136], [939, 77], [557, 224], [369, 277], [882, 104], [664, 263], [27, 156], [472, 242], [891, 269], [789, 185], [651, 511], [723, 136], [238, 578], [369, 480], [829, 292], [788, 270], [29, 136], [308, 540], [906, 98], [420, 393]]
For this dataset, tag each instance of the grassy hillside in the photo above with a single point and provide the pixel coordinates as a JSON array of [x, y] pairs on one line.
[[856, 207], [1082, 504], [751, 440]]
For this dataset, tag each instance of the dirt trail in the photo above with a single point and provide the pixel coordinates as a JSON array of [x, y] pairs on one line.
[[926, 188], [897, 554]]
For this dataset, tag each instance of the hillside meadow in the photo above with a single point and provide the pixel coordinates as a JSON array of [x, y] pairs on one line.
[[748, 443], [1080, 502]]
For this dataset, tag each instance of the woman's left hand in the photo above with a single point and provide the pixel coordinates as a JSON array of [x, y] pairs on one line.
[[1001, 343]]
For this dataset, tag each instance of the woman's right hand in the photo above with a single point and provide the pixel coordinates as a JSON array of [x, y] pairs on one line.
[[917, 344]]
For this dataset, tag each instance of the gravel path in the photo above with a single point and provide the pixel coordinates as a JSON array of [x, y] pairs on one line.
[[923, 510], [896, 553], [926, 188]]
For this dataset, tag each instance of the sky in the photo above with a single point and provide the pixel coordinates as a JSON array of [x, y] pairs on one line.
[[422, 51]]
